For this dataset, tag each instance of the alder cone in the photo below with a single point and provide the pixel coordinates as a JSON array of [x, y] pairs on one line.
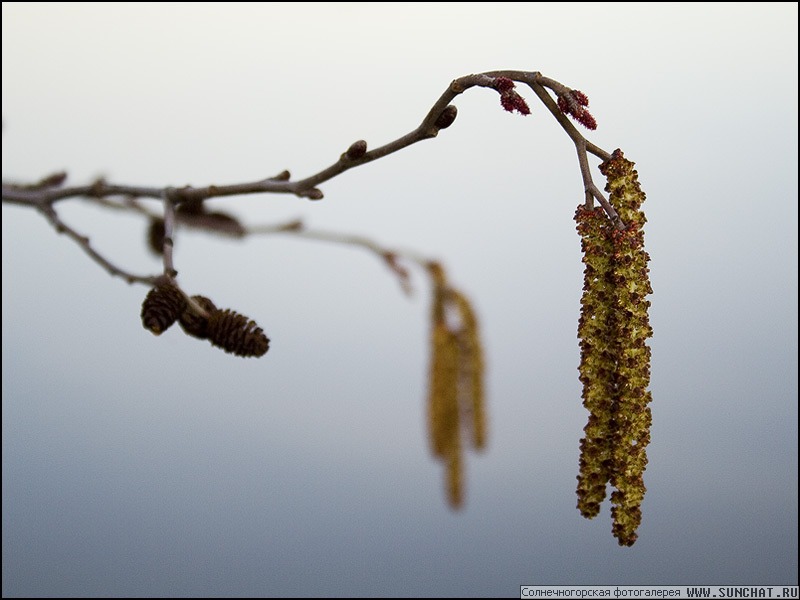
[[236, 334], [193, 323], [161, 308]]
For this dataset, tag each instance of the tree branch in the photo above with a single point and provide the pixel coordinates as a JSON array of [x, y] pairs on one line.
[[438, 117], [43, 194]]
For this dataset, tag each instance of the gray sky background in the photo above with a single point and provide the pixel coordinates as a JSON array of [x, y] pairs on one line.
[[136, 465]]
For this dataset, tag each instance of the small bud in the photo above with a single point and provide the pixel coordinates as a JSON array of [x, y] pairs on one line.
[[356, 150], [512, 101], [573, 103], [191, 207], [52, 180], [447, 116], [221, 222], [155, 236], [312, 194], [503, 84], [98, 188], [563, 105], [586, 119], [580, 97], [296, 225], [282, 176]]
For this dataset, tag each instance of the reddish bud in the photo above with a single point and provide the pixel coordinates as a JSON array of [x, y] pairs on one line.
[[512, 101], [509, 99], [580, 97], [282, 176], [312, 194], [52, 180], [503, 84], [572, 103], [587, 120], [446, 118], [356, 150]]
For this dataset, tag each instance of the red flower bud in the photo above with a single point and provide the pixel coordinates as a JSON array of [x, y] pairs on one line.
[[512, 101], [572, 103], [587, 120], [580, 98], [503, 84]]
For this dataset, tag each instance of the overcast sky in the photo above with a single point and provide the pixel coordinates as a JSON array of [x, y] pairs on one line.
[[154, 466]]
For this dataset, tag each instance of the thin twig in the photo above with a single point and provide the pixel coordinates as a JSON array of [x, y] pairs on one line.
[[390, 256], [83, 241], [582, 146], [169, 228]]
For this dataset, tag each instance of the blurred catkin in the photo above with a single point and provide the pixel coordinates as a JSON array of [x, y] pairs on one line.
[[455, 393]]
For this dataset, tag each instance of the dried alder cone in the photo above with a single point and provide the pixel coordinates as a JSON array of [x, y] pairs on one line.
[[615, 359], [161, 308], [195, 323], [226, 329], [236, 334]]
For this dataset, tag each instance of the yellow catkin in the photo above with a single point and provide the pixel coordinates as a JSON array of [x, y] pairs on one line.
[[455, 480], [598, 363], [443, 390], [615, 358], [632, 328], [455, 393], [443, 375], [472, 367]]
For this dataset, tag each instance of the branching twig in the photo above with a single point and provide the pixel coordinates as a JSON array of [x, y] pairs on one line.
[[83, 241], [437, 118], [43, 194]]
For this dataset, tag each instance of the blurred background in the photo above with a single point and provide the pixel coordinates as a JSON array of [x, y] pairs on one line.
[[136, 465]]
